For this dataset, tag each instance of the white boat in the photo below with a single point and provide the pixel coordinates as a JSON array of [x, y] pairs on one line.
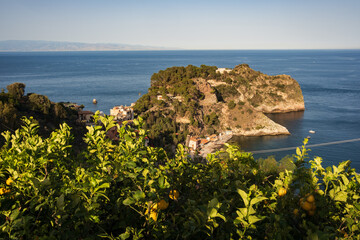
[[312, 131]]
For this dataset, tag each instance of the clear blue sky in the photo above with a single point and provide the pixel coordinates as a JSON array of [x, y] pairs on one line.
[[189, 24]]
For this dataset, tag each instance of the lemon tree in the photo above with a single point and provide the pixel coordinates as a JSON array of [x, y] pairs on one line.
[[126, 190]]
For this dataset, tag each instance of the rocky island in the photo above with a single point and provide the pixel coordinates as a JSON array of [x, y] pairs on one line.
[[206, 100]]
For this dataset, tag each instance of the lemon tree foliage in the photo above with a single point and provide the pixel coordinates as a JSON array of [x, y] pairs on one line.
[[125, 190]]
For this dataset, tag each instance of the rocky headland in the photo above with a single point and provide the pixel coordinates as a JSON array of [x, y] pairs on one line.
[[201, 101]]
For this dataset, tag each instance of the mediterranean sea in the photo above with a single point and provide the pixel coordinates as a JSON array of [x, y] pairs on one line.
[[329, 79]]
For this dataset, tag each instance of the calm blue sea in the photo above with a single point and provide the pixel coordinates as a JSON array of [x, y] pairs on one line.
[[330, 81]]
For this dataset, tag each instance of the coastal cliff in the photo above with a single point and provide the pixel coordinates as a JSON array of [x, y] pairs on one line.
[[207, 100]]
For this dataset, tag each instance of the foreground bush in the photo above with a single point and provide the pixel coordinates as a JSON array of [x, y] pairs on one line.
[[129, 191]]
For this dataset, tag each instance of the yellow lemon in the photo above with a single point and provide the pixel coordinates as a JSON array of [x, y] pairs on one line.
[[162, 205], [174, 195], [310, 198], [282, 192], [9, 181], [306, 206], [296, 212], [313, 206]]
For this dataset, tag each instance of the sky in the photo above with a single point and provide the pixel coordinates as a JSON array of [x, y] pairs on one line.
[[187, 24]]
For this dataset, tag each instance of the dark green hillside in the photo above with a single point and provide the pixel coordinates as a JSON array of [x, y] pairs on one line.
[[14, 105], [181, 98]]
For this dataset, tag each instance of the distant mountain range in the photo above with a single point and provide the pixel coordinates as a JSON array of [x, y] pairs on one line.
[[35, 46]]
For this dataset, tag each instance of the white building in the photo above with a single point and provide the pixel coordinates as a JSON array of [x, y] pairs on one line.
[[122, 113]]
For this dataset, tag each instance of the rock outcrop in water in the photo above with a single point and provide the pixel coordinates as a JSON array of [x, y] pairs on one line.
[[205, 100]]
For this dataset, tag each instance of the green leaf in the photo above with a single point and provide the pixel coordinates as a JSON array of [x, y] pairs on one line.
[[298, 152], [128, 138], [145, 172], [243, 196], [132, 175], [104, 185], [251, 210], [161, 181], [253, 219], [221, 216], [256, 200], [131, 164], [342, 166], [345, 180], [139, 195], [213, 203], [95, 218], [128, 201], [36, 182], [124, 236], [151, 182], [340, 196], [279, 182], [60, 202], [14, 214], [242, 212], [335, 169], [320, 192], [39, 206], [212, 213]]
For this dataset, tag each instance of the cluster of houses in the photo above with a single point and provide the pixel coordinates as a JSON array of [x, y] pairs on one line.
[[120, 113], [196, 143], [123, 113]]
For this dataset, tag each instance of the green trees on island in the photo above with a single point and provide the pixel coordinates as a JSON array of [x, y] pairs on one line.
[[181, 91], [125, 190], [39, 103], [178, 91], [16, 90]]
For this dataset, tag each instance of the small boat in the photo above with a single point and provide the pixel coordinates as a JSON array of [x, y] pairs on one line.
[[312, 131], [94, 101]]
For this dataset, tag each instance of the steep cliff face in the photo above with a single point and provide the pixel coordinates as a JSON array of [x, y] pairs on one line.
[[269, 94], [235, 113], [207, 100]]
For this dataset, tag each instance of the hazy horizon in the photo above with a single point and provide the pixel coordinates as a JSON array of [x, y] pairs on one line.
[[121, 47], [187, 25]]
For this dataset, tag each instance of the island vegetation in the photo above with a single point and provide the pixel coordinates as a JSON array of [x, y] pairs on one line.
[[205, 100]]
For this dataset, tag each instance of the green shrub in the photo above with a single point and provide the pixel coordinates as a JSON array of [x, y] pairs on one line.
[[125, 190], [16, 90], [231, 104]]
